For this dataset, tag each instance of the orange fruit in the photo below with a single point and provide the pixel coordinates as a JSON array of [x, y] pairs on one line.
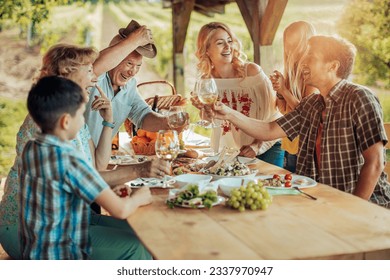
[[151, 135], [142, 139], [141, 132]]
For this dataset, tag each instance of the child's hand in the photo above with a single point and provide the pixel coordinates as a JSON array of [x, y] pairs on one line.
[[122, 190], [142, 196]]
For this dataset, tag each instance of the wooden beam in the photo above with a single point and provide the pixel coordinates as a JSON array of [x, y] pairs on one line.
[[209, 11], [271, 20], [255, 30], [181, 14], [245, 12]]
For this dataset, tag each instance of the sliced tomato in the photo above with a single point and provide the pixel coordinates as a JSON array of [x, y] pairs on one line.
[[276, 176], [287, 184]]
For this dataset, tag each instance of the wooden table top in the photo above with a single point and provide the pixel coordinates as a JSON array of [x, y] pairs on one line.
[[335, 226]]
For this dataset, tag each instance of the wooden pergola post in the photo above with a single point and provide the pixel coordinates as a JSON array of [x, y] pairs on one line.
[[262, 18], [181, 14]]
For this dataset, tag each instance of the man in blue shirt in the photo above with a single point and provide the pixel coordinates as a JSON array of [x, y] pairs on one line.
[[116, 78]]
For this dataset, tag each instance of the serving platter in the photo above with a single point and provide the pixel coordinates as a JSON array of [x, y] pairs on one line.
[[220, 200], [296, 181]]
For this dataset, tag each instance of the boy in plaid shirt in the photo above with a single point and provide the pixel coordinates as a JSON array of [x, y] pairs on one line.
[[57, 183]]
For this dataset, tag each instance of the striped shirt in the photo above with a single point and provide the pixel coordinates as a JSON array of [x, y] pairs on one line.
[[57, 185], [353, 121]]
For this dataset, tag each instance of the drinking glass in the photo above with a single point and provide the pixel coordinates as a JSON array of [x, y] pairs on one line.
[[167, 147], [177, 117], [207, 92]]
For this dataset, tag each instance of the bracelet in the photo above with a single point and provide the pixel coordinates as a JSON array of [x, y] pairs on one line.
[[279, 96], [108, 124]]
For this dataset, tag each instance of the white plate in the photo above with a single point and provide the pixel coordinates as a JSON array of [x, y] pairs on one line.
[[147, 182], [249, 176], [220, 200], [127, 159], [307, 182], [244, 160]]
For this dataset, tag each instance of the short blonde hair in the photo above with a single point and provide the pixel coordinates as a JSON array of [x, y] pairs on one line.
[[64, 59], [205, 65]]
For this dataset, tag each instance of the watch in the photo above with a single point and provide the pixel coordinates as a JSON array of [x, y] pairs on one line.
[[106, 123]]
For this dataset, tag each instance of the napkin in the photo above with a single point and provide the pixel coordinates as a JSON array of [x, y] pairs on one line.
[[282, 191]]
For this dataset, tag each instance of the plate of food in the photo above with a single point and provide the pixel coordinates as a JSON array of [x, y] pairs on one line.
[[199, 204], [145, 182], [279, 181], [187, 165], [127, 159], [234, 169], [244, 160], [191, 197]]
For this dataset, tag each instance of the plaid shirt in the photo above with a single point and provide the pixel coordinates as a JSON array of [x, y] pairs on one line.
[[56, 187], [353, 122]]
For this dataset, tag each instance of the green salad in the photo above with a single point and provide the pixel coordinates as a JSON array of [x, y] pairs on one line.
[[191, 197]]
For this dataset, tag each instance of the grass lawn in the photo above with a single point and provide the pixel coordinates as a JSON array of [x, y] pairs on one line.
[[12, 114]]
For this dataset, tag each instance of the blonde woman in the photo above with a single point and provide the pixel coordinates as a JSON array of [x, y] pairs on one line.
[[242, 85], [291, 87]]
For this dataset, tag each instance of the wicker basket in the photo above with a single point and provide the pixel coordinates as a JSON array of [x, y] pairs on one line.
[[146, 149]]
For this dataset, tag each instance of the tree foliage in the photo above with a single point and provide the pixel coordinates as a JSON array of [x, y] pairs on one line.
[[366, 23], [29, 14]]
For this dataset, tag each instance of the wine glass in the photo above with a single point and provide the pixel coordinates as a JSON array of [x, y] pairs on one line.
[[167, 147], [177, 117], [207, 92]]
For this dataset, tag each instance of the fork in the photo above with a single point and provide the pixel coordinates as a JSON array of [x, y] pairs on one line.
[[302, 192]]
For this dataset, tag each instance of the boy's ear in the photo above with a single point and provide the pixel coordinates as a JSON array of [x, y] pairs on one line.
[[64, 121]]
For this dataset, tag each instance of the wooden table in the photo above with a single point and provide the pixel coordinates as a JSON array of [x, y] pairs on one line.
[[336, 226]]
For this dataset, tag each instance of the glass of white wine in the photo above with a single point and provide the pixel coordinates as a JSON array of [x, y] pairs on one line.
[[207, 92], [167, 147], [177, 117]]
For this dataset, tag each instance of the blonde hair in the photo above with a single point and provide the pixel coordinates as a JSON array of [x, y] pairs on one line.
[[293, 59], [63, 59], [205, 65]]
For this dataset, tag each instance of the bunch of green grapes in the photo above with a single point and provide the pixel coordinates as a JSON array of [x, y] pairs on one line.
[[254, 196]]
